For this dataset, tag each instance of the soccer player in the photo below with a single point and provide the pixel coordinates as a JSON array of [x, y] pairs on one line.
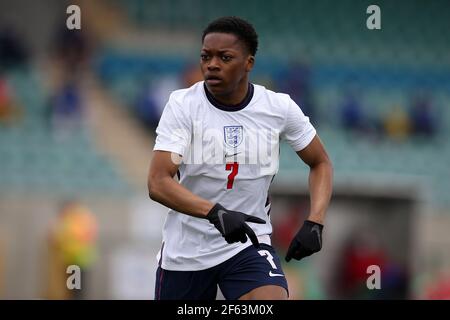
[[221, 138]]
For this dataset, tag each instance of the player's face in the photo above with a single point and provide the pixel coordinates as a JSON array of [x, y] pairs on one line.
[[225, 63]]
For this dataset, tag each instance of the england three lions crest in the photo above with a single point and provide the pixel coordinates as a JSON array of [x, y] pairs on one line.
[[233, 135]]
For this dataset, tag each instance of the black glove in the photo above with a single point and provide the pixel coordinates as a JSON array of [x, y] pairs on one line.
[[306, 242], [232, 226]]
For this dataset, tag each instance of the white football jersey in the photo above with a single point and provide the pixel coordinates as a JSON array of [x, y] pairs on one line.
[[229, 156]]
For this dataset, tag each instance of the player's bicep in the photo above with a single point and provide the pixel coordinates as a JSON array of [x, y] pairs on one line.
[[164, 164], [314, 153]]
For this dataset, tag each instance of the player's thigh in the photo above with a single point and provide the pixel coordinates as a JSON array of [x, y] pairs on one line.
[[185, 285], [269, 292], [252, 271]]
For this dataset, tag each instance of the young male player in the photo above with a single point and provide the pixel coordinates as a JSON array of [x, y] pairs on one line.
[[221, 138]]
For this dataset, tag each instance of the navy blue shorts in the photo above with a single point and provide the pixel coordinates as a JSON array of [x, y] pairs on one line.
[[249, 269]]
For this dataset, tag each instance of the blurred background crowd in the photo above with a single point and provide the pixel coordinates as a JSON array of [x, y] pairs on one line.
[[79, 108]]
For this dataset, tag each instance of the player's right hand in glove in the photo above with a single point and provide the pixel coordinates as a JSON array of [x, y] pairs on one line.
[[232, 226], [306, 242]]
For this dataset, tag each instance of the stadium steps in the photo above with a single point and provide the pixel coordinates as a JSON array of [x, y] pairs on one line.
[[119, 134], [37, 159]]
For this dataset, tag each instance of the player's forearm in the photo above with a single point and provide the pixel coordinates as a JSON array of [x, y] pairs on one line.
[[170, 193], [320, 188]]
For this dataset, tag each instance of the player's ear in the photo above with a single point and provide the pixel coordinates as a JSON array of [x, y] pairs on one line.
[[250, 63]]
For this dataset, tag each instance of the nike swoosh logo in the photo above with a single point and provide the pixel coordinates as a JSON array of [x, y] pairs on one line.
[[275, 274], [220, 213], [231, 155], [317, 230]]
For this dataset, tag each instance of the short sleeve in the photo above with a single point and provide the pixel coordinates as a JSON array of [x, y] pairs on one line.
[[298, 131], [174, 130]]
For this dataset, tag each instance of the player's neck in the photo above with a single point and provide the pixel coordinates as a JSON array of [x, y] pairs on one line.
[[236, 97], [234, 106]]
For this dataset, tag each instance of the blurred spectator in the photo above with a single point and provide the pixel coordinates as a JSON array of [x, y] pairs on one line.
[[66, 110], [296, 82], [361, 251], [352, 115], [151, 101], [153, 98], [422, 115], [10, 112], [71, 48], [146, 108], [397, 124], [287, 224], [439, 287], [72, 242], [12, 49]]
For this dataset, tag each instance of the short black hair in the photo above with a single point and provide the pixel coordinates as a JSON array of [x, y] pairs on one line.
[[237, 26]]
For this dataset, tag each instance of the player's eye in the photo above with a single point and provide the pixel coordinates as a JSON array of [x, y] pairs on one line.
[[204, 56], [226, 58]]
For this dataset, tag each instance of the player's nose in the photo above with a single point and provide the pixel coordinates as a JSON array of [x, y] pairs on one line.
[[214, 64]]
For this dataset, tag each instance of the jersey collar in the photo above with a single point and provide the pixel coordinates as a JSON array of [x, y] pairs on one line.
[[231, 108]]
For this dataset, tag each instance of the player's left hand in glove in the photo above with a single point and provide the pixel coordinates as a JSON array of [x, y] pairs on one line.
[[306, 242], [232, 226]]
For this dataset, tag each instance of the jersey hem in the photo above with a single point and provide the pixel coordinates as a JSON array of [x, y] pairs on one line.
[[198, 267]]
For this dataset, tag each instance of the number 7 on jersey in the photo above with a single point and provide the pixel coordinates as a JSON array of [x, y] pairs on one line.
[[234, 167]]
